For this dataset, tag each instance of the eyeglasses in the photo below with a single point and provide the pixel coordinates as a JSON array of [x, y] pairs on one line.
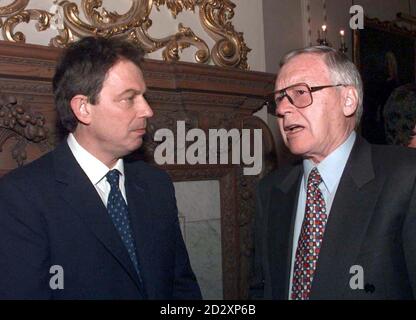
[[299, 95]]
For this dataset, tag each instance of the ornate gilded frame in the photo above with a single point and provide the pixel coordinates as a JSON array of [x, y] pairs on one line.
[[67, 18]]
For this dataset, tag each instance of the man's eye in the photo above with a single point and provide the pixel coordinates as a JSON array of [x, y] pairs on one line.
[[127, 102], [300, 92], [128, 99]]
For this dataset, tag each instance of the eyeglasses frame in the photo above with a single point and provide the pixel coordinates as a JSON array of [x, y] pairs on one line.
[[310, 89]]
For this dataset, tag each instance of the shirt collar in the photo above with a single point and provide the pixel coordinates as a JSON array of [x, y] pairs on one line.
[[93, 168], [332, 166]]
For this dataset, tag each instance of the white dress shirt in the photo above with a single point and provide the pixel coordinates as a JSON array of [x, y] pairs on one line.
[[330, 169], [96, 170]]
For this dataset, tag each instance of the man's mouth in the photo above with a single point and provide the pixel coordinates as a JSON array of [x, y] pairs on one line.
[[140, 130], [293, 128]]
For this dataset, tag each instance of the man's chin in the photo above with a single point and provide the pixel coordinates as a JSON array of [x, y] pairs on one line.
[[297, 150], [136, 145], [132, 147]]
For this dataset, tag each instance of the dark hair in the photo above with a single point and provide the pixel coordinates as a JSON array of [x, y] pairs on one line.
[[82, 70], [400, 115]]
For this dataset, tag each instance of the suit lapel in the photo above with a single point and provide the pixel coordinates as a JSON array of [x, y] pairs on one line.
[[283, 205], [142, 223], [350, 214], [77, 190]]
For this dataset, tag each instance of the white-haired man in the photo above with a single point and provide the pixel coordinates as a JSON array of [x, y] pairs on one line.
[[341, 224]]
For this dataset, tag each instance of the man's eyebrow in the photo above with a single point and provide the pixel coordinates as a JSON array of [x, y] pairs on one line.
[[134, 91]]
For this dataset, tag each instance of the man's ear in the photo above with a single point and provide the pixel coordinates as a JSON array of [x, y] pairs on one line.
[[350, 101], [81, 108]]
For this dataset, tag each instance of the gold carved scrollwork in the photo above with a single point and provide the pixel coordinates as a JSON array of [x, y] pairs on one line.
[[177, 6], [134, 25], [91, 18], [184, 38], [14, 7], [102, 23], [43, 18], [230, 49]]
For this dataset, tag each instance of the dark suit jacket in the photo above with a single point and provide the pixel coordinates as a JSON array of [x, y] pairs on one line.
[[372, 224], [51, 214]]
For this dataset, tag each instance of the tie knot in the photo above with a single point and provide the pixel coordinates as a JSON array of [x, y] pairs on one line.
[[113, 177], [314, 177]]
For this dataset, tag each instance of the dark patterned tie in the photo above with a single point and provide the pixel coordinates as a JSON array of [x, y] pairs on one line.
[[117, 208], [310, 238]]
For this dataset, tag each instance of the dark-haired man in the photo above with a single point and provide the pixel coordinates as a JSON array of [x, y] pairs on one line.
[[80, 223]]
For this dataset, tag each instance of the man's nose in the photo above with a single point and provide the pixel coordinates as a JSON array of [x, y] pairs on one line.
[[284, 106], [145, 109]]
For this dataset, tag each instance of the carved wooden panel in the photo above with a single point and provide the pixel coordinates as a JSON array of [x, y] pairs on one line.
[[205, 97]]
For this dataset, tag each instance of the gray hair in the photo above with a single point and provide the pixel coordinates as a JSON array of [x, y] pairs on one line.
[[341, 69]]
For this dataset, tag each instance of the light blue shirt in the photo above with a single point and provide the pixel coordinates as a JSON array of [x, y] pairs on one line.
[[330, 169]]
